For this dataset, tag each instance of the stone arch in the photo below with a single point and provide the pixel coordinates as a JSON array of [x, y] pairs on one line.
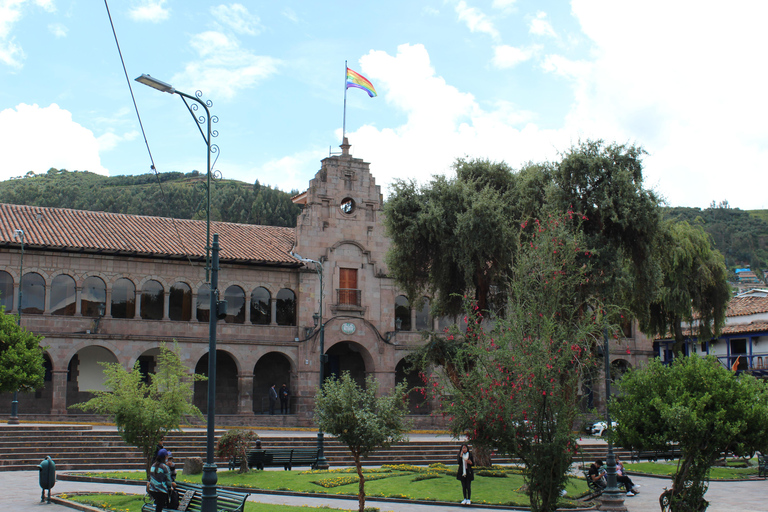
[[271, 368], [148, 362], [6, 290], [227, 390], [348, 356], [618, 368], [63, 290], [33, 291], [180, 298], [123, 292], [418, 402], [85, 374], [235, 296]]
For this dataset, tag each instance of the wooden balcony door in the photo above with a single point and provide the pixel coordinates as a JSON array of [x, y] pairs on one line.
[[348, 286]]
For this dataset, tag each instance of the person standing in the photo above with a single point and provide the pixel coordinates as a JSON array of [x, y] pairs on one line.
[[272, 399], [284, 395], [159, 485], [465, 473]]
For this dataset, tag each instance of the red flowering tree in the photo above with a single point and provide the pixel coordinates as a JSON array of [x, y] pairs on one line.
[[518, 376]]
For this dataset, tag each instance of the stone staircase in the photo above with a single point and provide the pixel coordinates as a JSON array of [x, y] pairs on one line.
[[78, 447]]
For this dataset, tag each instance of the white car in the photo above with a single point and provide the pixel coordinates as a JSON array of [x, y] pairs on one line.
[[599, 428]]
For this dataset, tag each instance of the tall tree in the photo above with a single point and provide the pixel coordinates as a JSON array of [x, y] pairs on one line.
[[360, 419], [701, 406], [21, 358], [145, 411], [694, 286], [453, 236]]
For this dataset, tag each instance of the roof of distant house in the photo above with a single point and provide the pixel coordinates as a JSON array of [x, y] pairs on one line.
[[116, 233]]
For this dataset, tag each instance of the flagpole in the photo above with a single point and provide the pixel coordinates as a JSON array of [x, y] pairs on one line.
[[344, 122]]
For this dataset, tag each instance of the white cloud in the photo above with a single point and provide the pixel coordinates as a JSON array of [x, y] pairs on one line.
[[287, 173], [58, 30], [442, 123], [505, 56], [224, 67], [503, 4], [47, 137], [11, 54], [237, 17], [475, 19], [110, 140], [540, 26], [692, 94], [290, 14], [153, 11]]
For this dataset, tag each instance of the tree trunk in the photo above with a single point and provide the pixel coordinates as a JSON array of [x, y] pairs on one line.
[[361, 486], [482, 455]]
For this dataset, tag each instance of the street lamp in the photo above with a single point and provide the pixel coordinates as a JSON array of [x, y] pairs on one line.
[[14, 419], [612, 497], [322, 462], [218, 308]]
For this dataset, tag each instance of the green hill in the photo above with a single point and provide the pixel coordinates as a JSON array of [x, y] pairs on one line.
[[173, 194]]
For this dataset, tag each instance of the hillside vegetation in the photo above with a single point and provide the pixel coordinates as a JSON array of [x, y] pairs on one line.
[[172, 194]]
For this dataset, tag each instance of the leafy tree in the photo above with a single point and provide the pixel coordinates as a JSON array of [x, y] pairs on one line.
[[518, 375], [235, 444], [454, 236], [21, 358], [700, 405], [604, 182], [694, 285], [145, 411], [359, 418]]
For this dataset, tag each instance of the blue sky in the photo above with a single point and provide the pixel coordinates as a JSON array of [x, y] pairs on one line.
[[513, 80]]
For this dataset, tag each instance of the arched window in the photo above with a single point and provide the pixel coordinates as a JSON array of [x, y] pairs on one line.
[[123, 299], [152, 300], [6, 290], [32, 294], [423, 320], [261, 312], [204, 303], [402, 313], [180, 302], [286, 307], [235, 297], [93, 295], [63, 295]]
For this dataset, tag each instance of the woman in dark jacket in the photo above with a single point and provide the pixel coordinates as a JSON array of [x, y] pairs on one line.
[[465, 473]]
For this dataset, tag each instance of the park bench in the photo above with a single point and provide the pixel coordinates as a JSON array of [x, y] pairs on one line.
[[191, 500], [595, 489], [286, 457], [673, 452], [762, 466]]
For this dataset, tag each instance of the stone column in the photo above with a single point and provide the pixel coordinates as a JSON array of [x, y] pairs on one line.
[[386, 380], [273, 310], [108, 303], [137, 313], [17, 306], [245, 392], [166, 304], [78, 297], [59, 384], [413, 319]]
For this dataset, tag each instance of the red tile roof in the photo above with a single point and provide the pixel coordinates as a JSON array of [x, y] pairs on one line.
[[740, 306], [80, 230]]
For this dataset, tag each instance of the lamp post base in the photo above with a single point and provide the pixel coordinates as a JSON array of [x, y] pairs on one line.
[[209, 488], [612, 502], [322, 462], [14, 420]]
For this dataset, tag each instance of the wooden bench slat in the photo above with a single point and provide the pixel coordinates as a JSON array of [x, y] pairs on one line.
[[227, 501]]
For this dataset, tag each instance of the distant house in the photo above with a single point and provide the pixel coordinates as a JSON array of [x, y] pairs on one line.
[[743, 342]]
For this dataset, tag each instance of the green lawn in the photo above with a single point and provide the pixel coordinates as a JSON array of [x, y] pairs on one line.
[[716, 473], [437, 483]]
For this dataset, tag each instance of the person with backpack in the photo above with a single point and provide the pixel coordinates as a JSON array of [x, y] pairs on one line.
[[160, 483]]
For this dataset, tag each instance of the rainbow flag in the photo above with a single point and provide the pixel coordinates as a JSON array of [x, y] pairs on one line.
[[355, 79]]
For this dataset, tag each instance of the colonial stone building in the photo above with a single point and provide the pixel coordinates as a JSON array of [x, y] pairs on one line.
[[103, 287]]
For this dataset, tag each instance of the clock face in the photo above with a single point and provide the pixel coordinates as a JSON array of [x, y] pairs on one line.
[[347, 205], [348, 328]]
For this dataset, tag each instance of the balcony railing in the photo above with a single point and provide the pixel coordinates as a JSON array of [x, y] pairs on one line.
[[348, 297]]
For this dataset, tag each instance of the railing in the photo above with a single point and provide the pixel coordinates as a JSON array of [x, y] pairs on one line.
[[744, 362], [348, 297]]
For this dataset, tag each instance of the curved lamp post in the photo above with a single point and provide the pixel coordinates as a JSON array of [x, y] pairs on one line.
[[218, 308], [322, 462], [14, 419], [612, 498]]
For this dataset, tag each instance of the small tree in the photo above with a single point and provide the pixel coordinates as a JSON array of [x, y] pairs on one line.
[[21, 358], [700, 405], [360, 419], [235, 443], [145, 411]]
